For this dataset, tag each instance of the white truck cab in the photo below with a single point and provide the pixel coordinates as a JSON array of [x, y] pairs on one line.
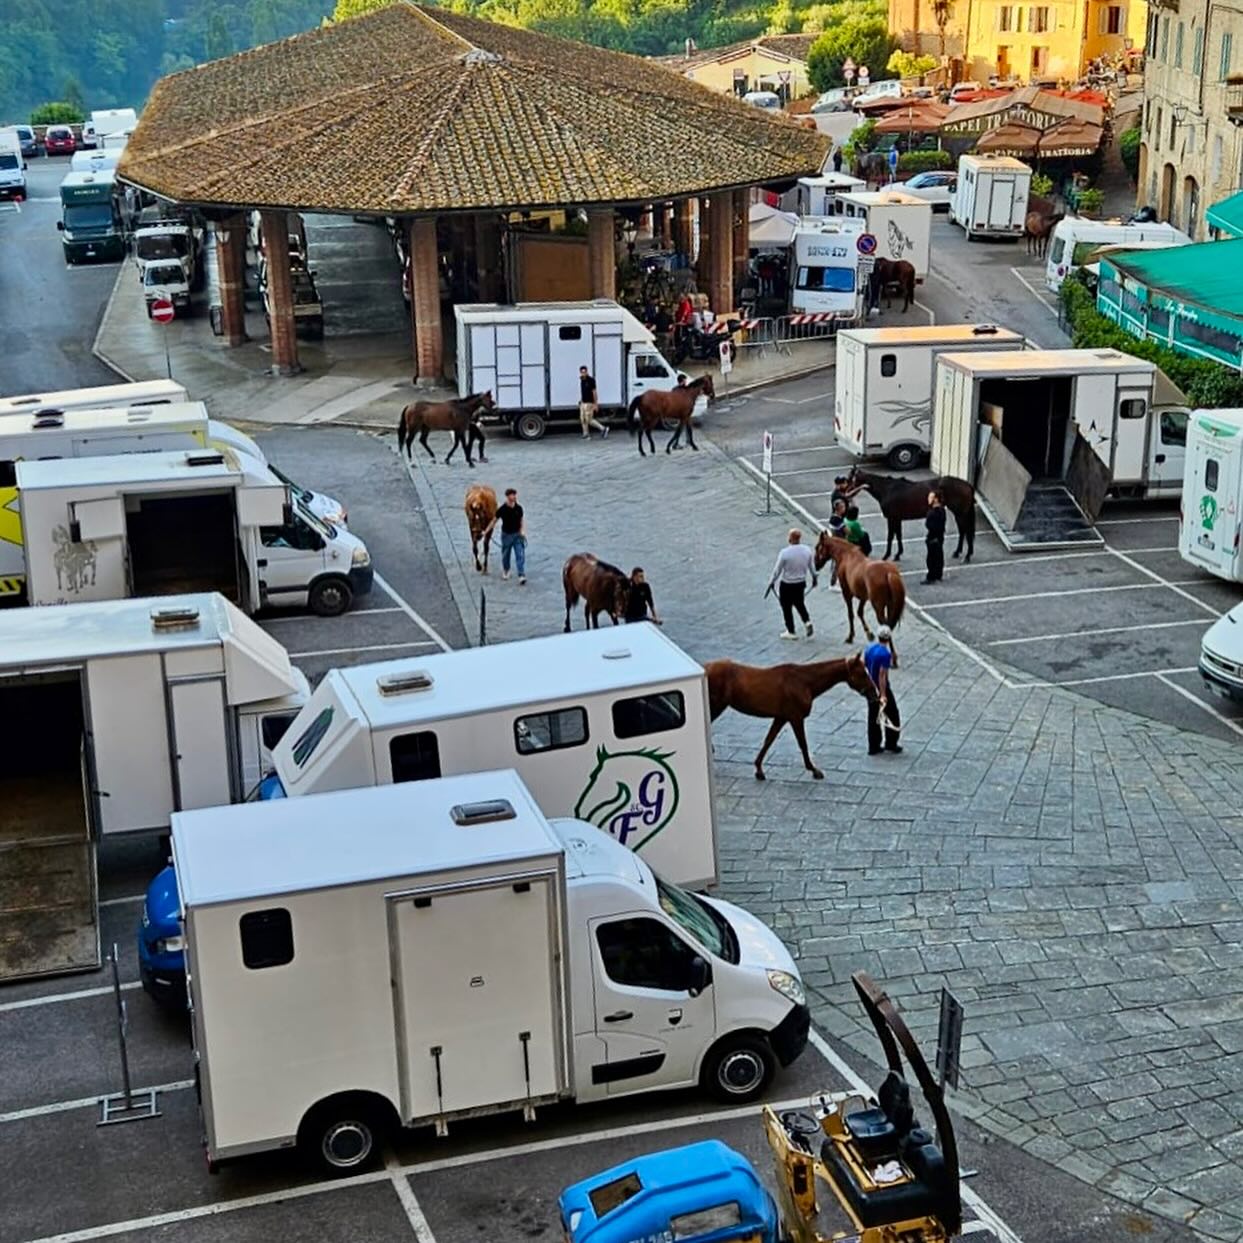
[[826, 268]]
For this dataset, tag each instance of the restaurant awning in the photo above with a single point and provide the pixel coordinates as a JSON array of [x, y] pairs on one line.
[[923, 117], [1227, 215], [1069, 138], [1012, 138]]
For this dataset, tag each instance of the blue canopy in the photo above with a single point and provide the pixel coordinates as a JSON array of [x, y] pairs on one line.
[[1227, 215]]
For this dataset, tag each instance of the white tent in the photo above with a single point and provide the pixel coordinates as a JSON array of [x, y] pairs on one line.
[[771, 229]]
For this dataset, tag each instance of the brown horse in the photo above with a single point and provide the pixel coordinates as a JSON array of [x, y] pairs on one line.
[[480, 509], [459, 416], [1037, 229], [674, 404], [890, 274], [786, 693], [603, 588], [901, 500], [878, 583]]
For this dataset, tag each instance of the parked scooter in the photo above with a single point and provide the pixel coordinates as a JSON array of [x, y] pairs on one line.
[[701, 346]]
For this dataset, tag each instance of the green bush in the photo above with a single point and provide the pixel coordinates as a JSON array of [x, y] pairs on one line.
[[1042, 185], [1128, 149], [1207, 385], [58, 112], [1089, 201], [862, 138], [924, 161]]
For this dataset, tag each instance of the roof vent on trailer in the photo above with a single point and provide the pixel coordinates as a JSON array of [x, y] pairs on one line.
[[174, 619], [138, 414], [48, 418], [488, 812], [984, 330], [618, 653], [204, 459], [403, 683]]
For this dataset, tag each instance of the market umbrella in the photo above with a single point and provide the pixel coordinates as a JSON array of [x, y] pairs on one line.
[[1012, 138], [769, 228], [923, 117], [1069, 138]]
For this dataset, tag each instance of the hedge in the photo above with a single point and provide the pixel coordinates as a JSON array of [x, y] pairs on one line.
[[924, 161], [1208, 385], [1128, 148]]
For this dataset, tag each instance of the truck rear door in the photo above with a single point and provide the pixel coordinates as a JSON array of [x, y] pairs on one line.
[[850, 394], [201, 743], [1211, 498], [1000, 202]]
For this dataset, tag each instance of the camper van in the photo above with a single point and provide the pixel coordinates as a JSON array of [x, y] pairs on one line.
[[882, 406], [900, 223], [12, 166], [415, 954], [990, 196], [818, 196], [141, 393], [826, 268], [1046, 435], [119, 713], [1075, 241], [1212, 509]]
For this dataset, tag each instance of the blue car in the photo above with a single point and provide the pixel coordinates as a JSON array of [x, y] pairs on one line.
[[703, 1193], [161, 942]]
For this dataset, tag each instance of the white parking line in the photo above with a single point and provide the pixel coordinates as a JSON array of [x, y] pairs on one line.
[[301, 617], [1076, 591], [51, 999], [423, 624], [1048, 306], [409, 1201], [1108, 677], [370, 647], [1200, 703], [805, 470], [1028, 558], [1134, 522], [1092, 634], [86, 1102], [1176, 588]]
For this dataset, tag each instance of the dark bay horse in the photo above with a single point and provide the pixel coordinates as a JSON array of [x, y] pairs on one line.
[[1038, 229], [480, 506], [459, 416], [785, 693], [603, 588], [878, 583], [902, 500], [676, 404], [888, 274]]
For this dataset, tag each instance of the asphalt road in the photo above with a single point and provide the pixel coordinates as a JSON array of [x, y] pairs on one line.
[[48, 310]]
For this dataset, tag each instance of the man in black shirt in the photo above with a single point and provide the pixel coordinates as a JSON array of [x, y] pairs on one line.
[[935, 539], [639, 602], [513, 534], [589, 405]]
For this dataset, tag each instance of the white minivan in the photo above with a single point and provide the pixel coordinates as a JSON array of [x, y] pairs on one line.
[[1221, 656], [1075, 239]]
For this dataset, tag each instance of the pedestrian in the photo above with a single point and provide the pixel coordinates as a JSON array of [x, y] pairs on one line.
[[837, 159], [512, 518], [639, 602], [881, 660], [589, 405], [837, 520], [856, 532], [794, 563], [935, 539], [841, 490]]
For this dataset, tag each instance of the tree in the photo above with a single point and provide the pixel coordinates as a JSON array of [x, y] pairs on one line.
[[1128, 148], [58, 112], [865, 40], [217, 42], [908, 65], [942, 11], [71, 92], [356, 8]]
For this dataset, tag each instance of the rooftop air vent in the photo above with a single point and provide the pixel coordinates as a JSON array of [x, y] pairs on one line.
[[49, 418], [204, 459], [984, 330], [618, 653], [138, 414], [174, 619], [403, 683], [467, 814]]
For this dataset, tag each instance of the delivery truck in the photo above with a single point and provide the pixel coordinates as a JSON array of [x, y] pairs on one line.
[[827, 279], [990, 196], [900, 223], [117, 714], [12, 167], [882, 404], [142, 524], [1047, 435], [414, 954], [1209, 526], [90, 222], [528, 355]]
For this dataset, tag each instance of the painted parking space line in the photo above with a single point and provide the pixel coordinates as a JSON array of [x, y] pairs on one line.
[[87, 1102], [1108, 677], [1176, 587], [1073, 591], [1203, 704], [302, 617], [1092, 634], [406, 607], [409, 1201], [1044, 301], [368, 647], [1134, 522], [52, 999]]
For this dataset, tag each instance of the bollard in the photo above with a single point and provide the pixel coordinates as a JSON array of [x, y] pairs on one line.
[[483, 618], [126, 1105]]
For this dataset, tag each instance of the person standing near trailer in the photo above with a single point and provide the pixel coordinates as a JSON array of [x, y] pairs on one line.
[[512, 518], [639, 602], [880, 658], [589, 405], [935, 539], [794, 563]]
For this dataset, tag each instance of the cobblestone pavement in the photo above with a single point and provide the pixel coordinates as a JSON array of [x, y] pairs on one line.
[[1073, 873]]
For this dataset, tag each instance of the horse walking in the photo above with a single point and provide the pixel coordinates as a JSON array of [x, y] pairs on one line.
[[459, 416], [480, 506], [785, 693], [668, 405], [602, 587], [1037, 230], [878, 583], [889, 274], [902, 500]]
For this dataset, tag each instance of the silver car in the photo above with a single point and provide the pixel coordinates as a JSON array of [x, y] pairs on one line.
[[936, 187]]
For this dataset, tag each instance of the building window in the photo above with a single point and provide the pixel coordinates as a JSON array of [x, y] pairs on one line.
[[1038, 19], [1110, 19], [550, 731], [1227, 41], [1040, 59], [1178, 46], [1173, 131], [414, 757], [1165, 38], [1197, 50], [649, 714], [267, 938], [1217, 158], [1005, 17], [1150, 48], [1157, 135]]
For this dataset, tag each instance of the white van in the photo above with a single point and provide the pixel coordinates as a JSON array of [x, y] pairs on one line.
[[1075, 239], [826, 268], [1211, 521], [1221, 656], [12, 166], [415, 954]]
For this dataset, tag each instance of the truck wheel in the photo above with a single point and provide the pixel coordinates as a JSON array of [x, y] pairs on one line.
[[738, 1069], [903, 457], [530, 426], [343, 1135], [330, 597]]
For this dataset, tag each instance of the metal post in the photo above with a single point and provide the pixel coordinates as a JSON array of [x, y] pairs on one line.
[[483, 618], [126, 1106], [168, 366], [768, 476]]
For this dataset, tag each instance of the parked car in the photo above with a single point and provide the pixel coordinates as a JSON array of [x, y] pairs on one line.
[[960, 92], [1221, 656], [89, 140], [26, 137], [762, 99], [935, 187], [59, 140]]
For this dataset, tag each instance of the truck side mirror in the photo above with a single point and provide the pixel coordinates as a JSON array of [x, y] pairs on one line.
[[287, 514], [700, 976], [60, 224]]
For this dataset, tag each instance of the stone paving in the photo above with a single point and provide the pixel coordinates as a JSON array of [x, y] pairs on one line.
[[1073, 873]]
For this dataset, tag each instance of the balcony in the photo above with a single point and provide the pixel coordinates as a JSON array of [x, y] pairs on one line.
[[1234, 99]]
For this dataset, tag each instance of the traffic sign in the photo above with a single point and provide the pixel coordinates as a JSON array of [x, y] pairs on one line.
[[865, 75], [893, 159], [162, 311], [783, 76], [727, 357], [768, 453], [865, 243]]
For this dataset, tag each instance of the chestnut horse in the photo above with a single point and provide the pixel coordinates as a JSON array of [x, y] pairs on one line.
[[878, 583], [480, 509], [786, 693], [459, 416], [675, 404], [890, 274], [1038, 229], [901, 500], [603, 588]]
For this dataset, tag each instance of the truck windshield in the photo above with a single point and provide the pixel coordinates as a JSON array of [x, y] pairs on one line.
[[694, 916], [164, 274], [8, 162], [827, 280], [88, 216], [162, 246]]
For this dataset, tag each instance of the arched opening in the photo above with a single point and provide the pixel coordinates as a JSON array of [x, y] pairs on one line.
[[1167, 209], [1191, 206]]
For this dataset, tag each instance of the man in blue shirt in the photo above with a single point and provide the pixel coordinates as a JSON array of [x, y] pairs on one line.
[[880, 658]]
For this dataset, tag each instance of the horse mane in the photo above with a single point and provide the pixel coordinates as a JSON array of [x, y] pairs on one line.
[[611, 569]]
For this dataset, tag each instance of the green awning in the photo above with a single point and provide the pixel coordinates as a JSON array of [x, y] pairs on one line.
[[1227, 215]]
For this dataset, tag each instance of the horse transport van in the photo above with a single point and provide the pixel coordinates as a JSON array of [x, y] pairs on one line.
[[1210, 524], [1075, 240]]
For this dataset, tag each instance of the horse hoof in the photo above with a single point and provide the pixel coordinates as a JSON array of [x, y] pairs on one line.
[[759, 775], [817, 774]]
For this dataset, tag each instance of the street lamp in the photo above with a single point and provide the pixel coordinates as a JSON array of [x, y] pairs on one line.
[[630, 234]]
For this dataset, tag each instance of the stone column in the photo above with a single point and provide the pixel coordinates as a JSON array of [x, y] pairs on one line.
[[275, 225], [488, 256], [231, 266], [683, 235], [601, 252], [742, 235], [664, 225], [719, 270], [429, 345]]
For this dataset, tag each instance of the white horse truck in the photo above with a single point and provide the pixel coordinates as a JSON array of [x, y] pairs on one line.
[[1046, 435], [990, 196], [827, 281], [1212, 509], [415, 954], [528, 355], [117, 714], [882, 404], [900, 223]]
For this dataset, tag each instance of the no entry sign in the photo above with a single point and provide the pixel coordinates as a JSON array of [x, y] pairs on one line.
[[162, 311]]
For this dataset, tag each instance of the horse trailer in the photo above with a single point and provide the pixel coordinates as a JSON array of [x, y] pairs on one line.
[[1210, 525], [882, 406], [827, 279], [990, 198], [900, 223]]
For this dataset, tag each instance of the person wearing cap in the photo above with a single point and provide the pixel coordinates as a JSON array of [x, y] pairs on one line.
[[880, 658]]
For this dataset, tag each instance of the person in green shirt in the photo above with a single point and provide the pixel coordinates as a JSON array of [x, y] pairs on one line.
[[854, 530]]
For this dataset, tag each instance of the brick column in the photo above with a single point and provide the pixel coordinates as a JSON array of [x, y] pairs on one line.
[[720, 266], [275, 225], [429, 345], [664, 225], [601, 252], [231, 267], [742, 235], [707, 240], [488, 256], [683, 235]]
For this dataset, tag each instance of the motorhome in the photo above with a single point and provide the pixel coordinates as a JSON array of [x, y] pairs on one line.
[[142, 393], [90, 224], [882, 405], [415, 954], [1075, 241], [112, 121], [990, 196], [528, 355], [1047, 435], [12, 167], [118, 714], [900, 223], [165, 240], [1212, 509], [140, 524], [827, 279], [818, 196]]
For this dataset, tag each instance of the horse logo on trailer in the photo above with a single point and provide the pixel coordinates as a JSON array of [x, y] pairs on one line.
[[1208, 512], [632, 795]]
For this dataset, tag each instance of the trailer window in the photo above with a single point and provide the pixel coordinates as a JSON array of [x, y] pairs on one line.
[[1210, 474], [570, 332], [1173, 427], [8, 474], [649, 714], [267, 938], [888, 365], [550, 731], [643, 953], [1133, 408], [414, 757], [275, 727]]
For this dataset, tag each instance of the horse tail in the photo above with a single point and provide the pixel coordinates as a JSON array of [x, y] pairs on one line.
[[632, 415], [401, 430], [897, 599]]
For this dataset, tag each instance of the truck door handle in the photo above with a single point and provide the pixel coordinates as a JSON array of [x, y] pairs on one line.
[[675, 1017], [261, 562], [1159, 458], [619, 1016]]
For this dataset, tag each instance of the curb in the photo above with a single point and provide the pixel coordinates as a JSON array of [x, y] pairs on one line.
[[96, 350]]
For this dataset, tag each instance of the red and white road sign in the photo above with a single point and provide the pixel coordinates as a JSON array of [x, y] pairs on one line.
[[727, 357], [162, 311]]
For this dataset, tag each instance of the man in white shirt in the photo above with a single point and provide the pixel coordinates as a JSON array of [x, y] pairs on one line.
[[794, 563]]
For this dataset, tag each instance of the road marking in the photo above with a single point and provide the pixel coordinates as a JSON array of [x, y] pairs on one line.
[[1107, 677], [51, 999], [1129, 522], [409, 1201], [1200, 703], [806, 470], [126, 901], [423, 624], [302, 617], [1076, 591], [1176, 588], [1028, 558], [1048, 306], [86, 1102], [1091, 634], [370, 647]]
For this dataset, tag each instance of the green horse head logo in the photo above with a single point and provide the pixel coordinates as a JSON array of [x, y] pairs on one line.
[[632, 795], [1208, 512]]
